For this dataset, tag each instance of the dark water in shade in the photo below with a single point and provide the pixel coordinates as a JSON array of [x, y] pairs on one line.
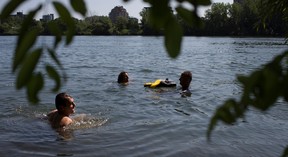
[[136, 121]]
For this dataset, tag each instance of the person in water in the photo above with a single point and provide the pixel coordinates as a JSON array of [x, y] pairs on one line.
[[123, 78], [185, 80], [65, 106]]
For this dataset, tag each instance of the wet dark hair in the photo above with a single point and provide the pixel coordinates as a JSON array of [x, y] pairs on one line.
[[187, 74], [61, 99], [121, 77]]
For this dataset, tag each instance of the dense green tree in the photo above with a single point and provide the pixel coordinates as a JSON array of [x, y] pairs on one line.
[[36, 25], [221, 20], [11, 25], [133, 26], [218, 19], [121, 26], [146, 26], [99, 25], [1, 29], [81, 26], [192, 30], [236, 18], [61, 24], [250, 16]]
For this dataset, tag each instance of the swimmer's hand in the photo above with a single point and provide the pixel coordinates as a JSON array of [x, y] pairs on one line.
[[185, 93]]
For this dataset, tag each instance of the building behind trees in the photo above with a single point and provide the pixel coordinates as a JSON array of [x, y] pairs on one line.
[[118, 11], [46, 18]]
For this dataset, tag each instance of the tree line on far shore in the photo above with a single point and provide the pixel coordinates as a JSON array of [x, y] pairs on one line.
[[222, 19]]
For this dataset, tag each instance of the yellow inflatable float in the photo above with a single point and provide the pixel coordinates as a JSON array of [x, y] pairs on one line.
[[160, 83]]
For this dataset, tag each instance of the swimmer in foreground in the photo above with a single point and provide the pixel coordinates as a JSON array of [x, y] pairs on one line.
[[123, 78], [65, 106], [185, 80]]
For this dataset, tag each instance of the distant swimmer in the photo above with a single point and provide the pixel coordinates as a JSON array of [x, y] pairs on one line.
[[123, 78], [65, 106], [185, 80]]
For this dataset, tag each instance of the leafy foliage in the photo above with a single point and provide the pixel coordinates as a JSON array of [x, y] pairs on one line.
[[10, 7], [161, 17], [263, 87], [67, 19], [27, 55]]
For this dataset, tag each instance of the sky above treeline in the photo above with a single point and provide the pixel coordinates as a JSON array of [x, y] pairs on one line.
[[95, 7]]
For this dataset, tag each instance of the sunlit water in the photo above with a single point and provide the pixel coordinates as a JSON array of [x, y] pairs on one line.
[[132, 120]]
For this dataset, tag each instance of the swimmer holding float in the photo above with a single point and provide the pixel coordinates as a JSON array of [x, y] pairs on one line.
[[185, 80]]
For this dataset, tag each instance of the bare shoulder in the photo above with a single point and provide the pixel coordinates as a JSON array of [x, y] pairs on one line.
[[52, 112], [66, 121]]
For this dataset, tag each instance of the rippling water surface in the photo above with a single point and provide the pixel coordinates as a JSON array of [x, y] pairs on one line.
[[136, 121]]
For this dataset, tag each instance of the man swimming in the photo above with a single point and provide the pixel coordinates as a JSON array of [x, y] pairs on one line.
[[65, 106], [185, 80]]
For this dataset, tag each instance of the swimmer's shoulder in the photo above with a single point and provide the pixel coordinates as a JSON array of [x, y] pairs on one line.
[[66, 121], [51, 113]]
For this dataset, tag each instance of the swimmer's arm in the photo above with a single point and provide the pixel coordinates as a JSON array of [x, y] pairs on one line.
[[66, 121]]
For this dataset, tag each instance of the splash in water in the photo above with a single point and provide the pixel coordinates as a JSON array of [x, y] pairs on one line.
[[82, 121]]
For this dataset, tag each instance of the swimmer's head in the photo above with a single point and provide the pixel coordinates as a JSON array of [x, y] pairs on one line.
[[123, 77], [185, 79], [64, 103]]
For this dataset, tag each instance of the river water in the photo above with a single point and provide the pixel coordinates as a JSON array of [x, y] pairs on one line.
[[136, 121]]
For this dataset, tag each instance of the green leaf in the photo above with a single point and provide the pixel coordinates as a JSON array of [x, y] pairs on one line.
[[25, 26], [212, 124], [285, 153], [56, 31], [52, 73], [24, 45], [160, 13], [285, 87], [189, 16], [173, 37], [10, 7], [79, 6], [67, 19], [52, 54], [202, 2], [242, 79], [70, 35], [26, 39], [199, 2], [63, 12], [27, 68], [227, 113], [35, 85]]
